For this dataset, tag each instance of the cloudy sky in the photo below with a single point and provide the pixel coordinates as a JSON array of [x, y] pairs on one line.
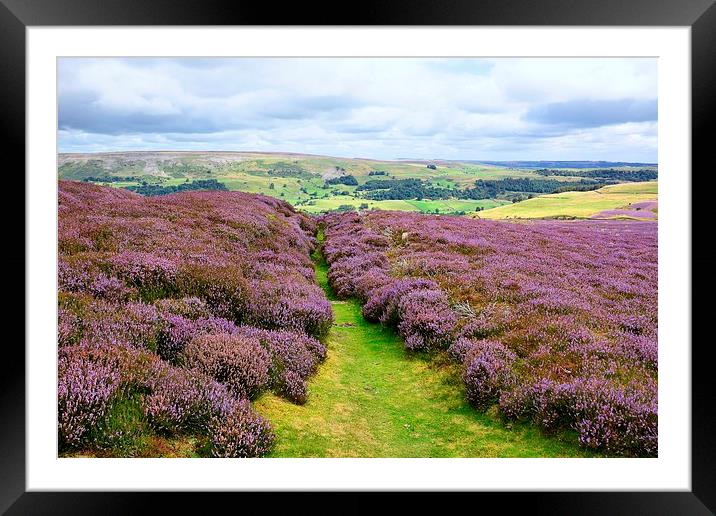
[[491, 109]]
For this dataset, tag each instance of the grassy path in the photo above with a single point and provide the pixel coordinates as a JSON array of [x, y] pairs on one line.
[[370, 398]]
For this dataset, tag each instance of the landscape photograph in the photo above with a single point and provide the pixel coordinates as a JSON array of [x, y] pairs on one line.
[[357, 257]]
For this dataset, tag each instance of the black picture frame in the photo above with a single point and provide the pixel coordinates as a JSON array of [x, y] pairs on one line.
[[700, 15]]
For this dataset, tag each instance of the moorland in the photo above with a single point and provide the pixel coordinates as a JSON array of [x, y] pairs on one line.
[[253, 304]]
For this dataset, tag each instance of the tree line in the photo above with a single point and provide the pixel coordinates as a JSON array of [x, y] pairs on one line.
[[605, 173], [348, 180], [110, 179], [395, 189], [198, 184]]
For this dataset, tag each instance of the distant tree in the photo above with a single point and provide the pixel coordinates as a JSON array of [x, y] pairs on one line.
[[432, 167], [363, 206], [272, 186], [343, 180], [158, 189]]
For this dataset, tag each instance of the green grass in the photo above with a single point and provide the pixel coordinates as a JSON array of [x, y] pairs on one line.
[[576, 204], [371, 398], [456, 205]]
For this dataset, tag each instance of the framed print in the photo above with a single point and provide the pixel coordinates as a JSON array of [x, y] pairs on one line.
[[443, 248]]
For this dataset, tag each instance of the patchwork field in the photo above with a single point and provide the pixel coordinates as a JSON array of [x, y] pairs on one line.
[[608, 202], [318, 184]]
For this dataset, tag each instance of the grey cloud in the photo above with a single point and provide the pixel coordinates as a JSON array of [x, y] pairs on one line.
[[593, 113], [450, 108], [81, 110]]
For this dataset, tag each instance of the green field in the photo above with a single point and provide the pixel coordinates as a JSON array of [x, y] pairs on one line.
[[301, 180], [298, 179], [575, 204], [371, 398], [438, 206]]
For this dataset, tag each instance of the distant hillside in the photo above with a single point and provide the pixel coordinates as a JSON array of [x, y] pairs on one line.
[[564, 164], [317, 184], [627, 201]]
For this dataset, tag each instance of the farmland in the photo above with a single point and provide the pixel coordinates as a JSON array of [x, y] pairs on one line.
[[318, 184], [603, 203]]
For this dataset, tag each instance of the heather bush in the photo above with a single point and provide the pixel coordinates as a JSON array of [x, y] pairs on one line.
[[147, 284], [189, 307], [86, 388], [369, 282], [240, 433], [292, 386], [492, 319], [618, 420], [383, 303], [487, 372], [293, 357], [235, 360], [289, 306], [560, 302], [184, 401], [153, 276], [177, 331], [343, 274], [134, 324], [459, 349], [82, 275], [69, 327], [222, 287], [426, 320]]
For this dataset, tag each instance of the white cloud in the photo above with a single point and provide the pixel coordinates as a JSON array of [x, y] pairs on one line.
[[382, 108]]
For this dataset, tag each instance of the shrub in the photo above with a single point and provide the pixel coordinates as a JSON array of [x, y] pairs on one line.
[[133, 324], [222, 287], [426, 320], [237, 361], [184, 401], [487, 372], [152, 275], [189, 307], [241, 433], [293, 387], [177, 331], [293, 357], [86, 388], [289, 306], [382, 305]]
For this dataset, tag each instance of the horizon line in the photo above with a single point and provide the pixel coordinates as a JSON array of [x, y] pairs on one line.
[[194, 151]]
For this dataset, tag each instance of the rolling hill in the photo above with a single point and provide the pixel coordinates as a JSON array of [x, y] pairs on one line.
[[317, 184]]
